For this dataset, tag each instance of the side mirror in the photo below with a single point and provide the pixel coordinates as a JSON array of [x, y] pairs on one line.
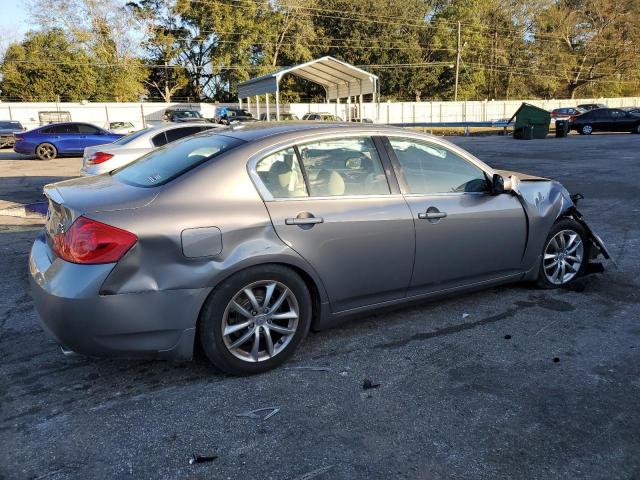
[[501, 185]]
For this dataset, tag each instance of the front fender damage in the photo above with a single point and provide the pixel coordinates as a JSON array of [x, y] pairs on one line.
[[545, 201]]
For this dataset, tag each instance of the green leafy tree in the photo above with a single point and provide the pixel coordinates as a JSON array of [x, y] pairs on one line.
[[45, 66]]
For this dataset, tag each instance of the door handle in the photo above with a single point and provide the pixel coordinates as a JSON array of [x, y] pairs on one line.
[[303, 220], [432, 213]]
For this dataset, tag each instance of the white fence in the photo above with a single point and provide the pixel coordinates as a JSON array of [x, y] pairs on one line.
[[444, 112], [143, 114]]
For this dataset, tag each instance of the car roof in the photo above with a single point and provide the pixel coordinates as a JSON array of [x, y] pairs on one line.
[[261, 130]]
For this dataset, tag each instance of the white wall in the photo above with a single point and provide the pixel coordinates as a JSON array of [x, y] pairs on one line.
[[141, 114], [438, 112]]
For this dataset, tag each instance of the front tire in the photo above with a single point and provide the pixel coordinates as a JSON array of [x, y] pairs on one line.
[[636, 129], [46, 151], [254, 321], [565, 254], [586, 129]]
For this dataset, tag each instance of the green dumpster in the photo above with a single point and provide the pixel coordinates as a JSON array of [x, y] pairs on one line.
[[531, 122]]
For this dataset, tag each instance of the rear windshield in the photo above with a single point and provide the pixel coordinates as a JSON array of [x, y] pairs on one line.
[[10, 125], [169, 162], [132, 136]]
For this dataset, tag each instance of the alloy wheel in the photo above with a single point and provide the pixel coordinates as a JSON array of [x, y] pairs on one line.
[[587, 129], [563, 257], [260, 321], [46, 151]]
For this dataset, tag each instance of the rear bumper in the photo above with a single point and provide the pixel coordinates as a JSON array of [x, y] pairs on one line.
[[20, 147], [77, 317]]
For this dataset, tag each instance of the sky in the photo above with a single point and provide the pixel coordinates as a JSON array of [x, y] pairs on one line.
[[13, 21]]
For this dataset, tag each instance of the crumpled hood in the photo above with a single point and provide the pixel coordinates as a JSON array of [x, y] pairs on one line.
[[524, 177], [100, 193]]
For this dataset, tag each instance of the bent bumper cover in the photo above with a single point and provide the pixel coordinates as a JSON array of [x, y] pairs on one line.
[[76, 316]]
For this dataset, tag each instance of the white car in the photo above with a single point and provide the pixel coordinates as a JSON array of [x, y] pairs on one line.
[[124, 128], [105, 158]]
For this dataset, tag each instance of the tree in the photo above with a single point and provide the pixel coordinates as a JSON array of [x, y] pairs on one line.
[[106, 32], [45, 66], [588, 46]]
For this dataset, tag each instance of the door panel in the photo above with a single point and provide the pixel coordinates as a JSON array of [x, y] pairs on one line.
[[464, 234], [362, 249], [480, 238]]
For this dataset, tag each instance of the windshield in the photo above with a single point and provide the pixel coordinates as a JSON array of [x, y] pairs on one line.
[[132, 136], [187, 114], [165, 164], [11, 125]]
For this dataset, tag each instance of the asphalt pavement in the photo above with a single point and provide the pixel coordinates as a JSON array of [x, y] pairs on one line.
[[510, 382]]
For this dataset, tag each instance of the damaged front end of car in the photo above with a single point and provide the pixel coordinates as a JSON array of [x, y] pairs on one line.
[[546, 201]]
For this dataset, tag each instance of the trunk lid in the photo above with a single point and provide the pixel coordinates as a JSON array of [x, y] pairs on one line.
[[101, 193]]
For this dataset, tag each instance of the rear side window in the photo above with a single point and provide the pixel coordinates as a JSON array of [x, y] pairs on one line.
[[63, 128], [159, 140], [281, 174], [178, 133], [343, 166], [163, 165]]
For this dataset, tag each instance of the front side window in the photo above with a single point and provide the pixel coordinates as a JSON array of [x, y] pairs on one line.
[[88, 129], [281, 174], [431, 169], [345, 166]]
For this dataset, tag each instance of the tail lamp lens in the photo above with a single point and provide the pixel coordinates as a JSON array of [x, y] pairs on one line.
[[92, 242], [18, 138], [99, 157]]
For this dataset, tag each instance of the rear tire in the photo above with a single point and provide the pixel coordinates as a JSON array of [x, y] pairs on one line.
[[636, 129], [46, 151], [565, 254], [277, 318]]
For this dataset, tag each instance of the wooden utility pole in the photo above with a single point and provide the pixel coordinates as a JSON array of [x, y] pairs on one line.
[[455, 94]]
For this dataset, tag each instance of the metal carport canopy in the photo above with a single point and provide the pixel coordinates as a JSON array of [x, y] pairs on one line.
[[339, 79]]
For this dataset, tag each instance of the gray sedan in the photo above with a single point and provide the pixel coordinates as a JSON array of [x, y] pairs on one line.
[[244, 239]]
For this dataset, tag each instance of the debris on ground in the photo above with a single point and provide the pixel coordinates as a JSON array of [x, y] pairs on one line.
[[267, 413], [201, 458], [556, 359], [314, 473], [465, 315], [312, 369], [507, 337], [368, 384]]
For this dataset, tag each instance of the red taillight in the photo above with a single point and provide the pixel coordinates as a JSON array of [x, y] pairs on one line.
[[88, 241], [99, 157], [18, 139], [572, 118]]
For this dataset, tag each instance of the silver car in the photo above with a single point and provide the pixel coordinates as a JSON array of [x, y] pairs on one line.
[[108, 157], [244, 239]]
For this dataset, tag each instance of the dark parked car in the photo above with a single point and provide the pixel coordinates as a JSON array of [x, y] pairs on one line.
[[243, 239], [61, 139], [591, 106], [606, 120], [632, 110], [239, 115], [178, 115], [8, 129]]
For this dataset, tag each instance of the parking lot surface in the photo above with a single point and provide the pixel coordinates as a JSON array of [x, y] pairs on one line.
[[511, 382]]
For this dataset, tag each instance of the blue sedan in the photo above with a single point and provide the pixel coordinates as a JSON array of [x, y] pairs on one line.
[[60, 139]]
